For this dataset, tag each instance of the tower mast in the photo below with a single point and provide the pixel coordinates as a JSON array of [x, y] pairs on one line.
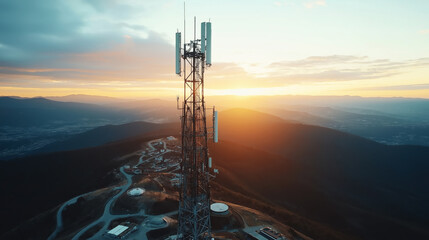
[[194, 206]]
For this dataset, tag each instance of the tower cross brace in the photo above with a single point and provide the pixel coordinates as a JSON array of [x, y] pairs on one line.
[[194, 205]]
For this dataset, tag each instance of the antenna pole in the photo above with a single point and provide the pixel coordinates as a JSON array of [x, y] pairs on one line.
[[184, 21], [195, 28]]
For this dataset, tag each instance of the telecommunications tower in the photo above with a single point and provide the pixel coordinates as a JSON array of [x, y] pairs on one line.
[[194, 206]]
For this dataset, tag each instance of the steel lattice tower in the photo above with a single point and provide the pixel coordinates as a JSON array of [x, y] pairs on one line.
[[194, 207]]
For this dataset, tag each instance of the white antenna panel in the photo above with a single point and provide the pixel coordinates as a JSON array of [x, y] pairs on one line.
[[215, 127], [178, 55], [203, 37], [209, 44]]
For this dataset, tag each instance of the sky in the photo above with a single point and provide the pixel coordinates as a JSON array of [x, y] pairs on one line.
[[125, 48]]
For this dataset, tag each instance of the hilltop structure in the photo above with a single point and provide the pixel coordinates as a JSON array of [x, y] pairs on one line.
[[194, 206]]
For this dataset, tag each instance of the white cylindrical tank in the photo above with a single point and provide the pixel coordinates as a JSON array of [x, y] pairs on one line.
[[219, 208]]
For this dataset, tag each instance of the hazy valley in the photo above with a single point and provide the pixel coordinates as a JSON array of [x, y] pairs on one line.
[[31, 125], [324, 183]]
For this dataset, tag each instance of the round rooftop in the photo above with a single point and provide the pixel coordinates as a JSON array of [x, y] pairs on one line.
[[136, 191], [219, 207], [159, 221]]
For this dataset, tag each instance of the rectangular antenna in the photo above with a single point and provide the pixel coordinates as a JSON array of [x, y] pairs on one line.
[[209, 43], [215, 127], [203, 37], [178, 54]]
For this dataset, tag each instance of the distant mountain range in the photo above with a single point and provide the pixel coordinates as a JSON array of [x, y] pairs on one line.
[[105, 134], [33, 112], [29, 124], [383, 128], [91, 99], [407, 108], [394, 121]]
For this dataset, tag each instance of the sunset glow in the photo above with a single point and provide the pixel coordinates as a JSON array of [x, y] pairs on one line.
[[293, 47]]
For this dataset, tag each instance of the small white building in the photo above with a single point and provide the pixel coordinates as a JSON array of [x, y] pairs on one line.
[[121, 231], [117, 230]]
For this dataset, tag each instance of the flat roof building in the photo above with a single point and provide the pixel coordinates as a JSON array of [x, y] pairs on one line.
[[263, 233], [117, 230], [121, 231], [270, 234]]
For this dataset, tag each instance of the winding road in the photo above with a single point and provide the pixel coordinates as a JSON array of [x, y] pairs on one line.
[[107, 217], [59, 226]]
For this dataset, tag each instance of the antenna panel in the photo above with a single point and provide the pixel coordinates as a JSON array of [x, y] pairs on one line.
[[178, 55], [209, 44], [203, 37], [215, 127]]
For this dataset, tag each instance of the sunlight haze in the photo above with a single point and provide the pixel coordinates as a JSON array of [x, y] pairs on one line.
[[282, 47]]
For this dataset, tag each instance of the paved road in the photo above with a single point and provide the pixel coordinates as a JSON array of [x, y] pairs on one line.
[[153, 149], [60, 216], [107, 217]]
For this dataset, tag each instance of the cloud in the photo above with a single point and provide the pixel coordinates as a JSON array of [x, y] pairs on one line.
[[319, 61], [37, 33], [340, 75], [305, 3], [313, 4], [79, 40], [283, 3], [400, 87], [339, 68], [424, 31], [129, 59]]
